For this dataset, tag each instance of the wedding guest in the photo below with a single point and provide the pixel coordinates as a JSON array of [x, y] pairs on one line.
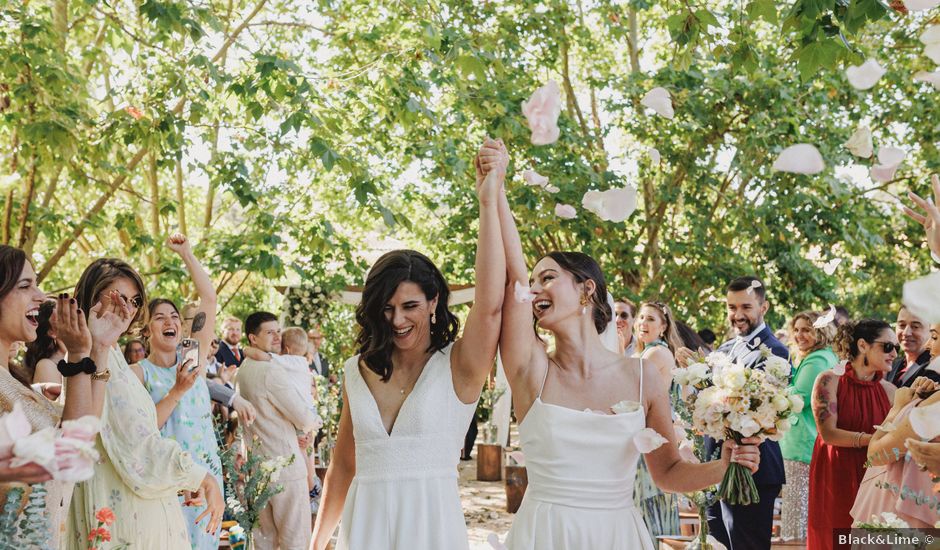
[[140, 472], [179, 388], [748, 526], [911, 332], [846, 408], [20, 301], [134, 351], [708, 336], [583, 404], [319, 364], [814, 356], [212, 366], [842, 316], [891, 480], [625, 311], [691, 339], [656, 340], [45, 352], [229, 351], [283, 410], [410, 393]]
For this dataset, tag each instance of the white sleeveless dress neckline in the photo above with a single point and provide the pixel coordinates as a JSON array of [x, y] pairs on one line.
[[581, 467], [404, 494]]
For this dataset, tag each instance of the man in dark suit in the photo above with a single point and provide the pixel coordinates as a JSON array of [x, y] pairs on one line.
[[230, 353], [319, 365], [912, 334], [748, 527]]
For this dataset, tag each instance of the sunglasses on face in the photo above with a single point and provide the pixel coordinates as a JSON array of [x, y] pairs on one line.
[[888, 347], [623, 315], [215, 342]]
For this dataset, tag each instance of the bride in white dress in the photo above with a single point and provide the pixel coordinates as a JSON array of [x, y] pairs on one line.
[[408, 398], [580, 407]]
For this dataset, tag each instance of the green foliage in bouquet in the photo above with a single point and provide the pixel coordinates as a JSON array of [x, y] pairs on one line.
[[706, 497], [250, 482], [29, 529]]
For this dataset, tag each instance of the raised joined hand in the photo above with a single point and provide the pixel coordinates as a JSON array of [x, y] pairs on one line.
[[930, 218], [490, 164]]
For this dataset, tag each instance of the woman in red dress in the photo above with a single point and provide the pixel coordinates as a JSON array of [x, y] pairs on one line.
[[847, 406]]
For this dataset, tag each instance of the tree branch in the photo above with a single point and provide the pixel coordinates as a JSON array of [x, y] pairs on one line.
[[30, 184]]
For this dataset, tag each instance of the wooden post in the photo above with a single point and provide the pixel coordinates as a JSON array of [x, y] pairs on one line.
[[489, 462], [516, 482]]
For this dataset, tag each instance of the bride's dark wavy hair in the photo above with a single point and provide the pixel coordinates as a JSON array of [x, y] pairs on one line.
[[375, 331]]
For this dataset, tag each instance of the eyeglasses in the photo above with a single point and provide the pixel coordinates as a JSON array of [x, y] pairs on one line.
[[623, 315], [888, 347]]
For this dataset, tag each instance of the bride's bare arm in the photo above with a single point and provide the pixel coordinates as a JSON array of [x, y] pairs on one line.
[[336, 484], [474, 353], [669, 471]]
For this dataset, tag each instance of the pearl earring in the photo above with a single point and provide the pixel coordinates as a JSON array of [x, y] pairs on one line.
[[434, 318]]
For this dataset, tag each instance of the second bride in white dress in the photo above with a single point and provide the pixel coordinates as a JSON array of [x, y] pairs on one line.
[[408, 398], [581, 406]]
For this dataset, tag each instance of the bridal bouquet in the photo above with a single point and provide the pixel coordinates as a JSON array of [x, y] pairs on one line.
[[731, 401], [68, 453]]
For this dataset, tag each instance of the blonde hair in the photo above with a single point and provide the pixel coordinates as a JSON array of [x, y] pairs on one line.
[[294, 338], [671, 335], [824, 334]]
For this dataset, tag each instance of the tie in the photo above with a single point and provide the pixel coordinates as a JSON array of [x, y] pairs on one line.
[[238, 356]]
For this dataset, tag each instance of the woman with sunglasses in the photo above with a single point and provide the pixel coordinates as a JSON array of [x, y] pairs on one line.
[[848, 402], [140, 473]]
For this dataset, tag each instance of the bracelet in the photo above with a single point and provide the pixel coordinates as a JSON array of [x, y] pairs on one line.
[[86, 366], [858, 439]]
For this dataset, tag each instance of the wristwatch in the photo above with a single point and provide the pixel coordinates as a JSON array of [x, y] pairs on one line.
[[104, 375]]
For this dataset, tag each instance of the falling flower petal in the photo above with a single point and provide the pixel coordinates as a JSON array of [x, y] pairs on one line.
[[648, 440], [933, 52], [613, 205], [801, 158], [658, 99], [887, 427], [921, 5], [517, 457], [541, 111], [933, 78], [565, 211], [839, 369], [931, 35], [754, 284], [864, 76], [551, 189], [523, 293], [860, 143], [532, 177], [830, 267], [655, 157], [494, 542], [625, 406], [922, 297], [824, 320], [889, 160], [926, 421]]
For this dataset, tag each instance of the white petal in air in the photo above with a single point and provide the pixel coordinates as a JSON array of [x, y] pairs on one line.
[[754, 284], [658, 99], [889, 160], [922, 297], [613, 205], [926, 421], [830, 267], [839, 369], [801, 158], [541, 112], [494, 542], [824, 320], [931, 35], [860, 143], [523, 293], [864, 76], [565, 211], [921, 5], [648, 440], [655, 157], [517, 457], [552, 189], [933, 78], [532, 177]]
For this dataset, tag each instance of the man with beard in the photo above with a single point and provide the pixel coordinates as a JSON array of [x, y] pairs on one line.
[[230, 353], [912, 334], [749, 527]]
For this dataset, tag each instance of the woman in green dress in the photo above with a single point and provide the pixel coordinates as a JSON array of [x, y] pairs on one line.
[[656, 342]]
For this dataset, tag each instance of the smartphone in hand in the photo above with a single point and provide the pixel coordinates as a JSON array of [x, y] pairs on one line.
[[187, 350]]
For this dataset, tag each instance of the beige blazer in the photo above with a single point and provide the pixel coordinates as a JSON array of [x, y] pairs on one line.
[[283, 410]]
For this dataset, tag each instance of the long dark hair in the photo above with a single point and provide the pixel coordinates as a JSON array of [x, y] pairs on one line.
[[12, 262], [44, 346], [846, 341], [583, 267], [375, 331]]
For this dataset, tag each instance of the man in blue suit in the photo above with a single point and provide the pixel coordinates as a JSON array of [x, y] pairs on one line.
[[748, 527]]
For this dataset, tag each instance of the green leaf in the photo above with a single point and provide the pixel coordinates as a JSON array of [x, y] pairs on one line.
[[763, 9]]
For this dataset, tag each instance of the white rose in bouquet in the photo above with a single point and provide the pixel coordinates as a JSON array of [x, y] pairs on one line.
[[777, 367], [781, 402], [744, 424], [796, 402], [733, 377]]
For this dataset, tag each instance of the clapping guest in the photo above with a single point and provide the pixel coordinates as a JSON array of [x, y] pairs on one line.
[[45, 352], [911, 331], [890, 473], [140, 472], [179, 388], [846, 408], [814, 356]]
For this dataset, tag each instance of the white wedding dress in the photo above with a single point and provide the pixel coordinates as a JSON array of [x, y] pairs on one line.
[[581, 466], [404, 495]]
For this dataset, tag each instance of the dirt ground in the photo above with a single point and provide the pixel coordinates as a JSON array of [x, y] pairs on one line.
[[484, 506]]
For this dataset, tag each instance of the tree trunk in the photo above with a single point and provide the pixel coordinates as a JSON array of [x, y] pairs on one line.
[[154, 204], [181, 207], [60, 22], [30, 190], [634, 46], [7, 215]]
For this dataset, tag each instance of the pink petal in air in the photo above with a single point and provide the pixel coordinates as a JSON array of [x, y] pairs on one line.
[[648, 440], [889, 160], [541, 112], [565, 211], [801, 158], [864, 76]]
